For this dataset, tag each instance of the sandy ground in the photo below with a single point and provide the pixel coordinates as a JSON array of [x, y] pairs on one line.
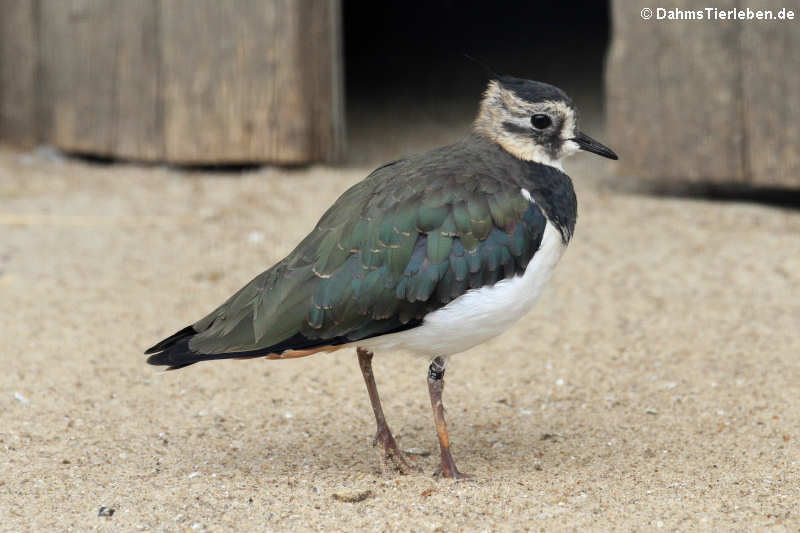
[[654, 386]]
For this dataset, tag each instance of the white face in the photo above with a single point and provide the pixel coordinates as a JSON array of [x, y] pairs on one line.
[[540, 131]]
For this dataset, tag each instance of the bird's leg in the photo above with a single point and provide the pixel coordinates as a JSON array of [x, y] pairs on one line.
[[435, 386], [391, 452]]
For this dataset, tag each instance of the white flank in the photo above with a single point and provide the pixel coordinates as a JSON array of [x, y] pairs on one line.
[[479, 314]]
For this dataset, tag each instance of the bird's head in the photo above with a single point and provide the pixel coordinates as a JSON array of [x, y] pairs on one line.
[[533, 121]]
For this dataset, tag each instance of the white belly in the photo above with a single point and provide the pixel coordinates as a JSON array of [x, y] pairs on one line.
[[479, 314]]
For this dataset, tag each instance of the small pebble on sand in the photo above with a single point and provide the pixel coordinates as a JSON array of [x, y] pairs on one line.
[[21, 399], [421, 452]]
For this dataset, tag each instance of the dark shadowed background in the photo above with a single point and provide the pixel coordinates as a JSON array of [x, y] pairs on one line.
[[406, 69]]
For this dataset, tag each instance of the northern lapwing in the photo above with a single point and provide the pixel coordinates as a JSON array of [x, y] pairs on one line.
[[431, 254]]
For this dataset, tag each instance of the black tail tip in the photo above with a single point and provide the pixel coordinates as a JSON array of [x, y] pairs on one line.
[[172, 340], [158, 359], [173, 351], [168, 359]]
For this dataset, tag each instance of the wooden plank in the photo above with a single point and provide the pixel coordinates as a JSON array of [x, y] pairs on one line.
[[78, 68], [250, 81], [18, 71], [321, 43], [673, 96], [99, 77], [771, 96], [232, 89], [139, 116]]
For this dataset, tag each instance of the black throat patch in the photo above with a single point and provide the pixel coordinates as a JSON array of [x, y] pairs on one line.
[[552, 191]]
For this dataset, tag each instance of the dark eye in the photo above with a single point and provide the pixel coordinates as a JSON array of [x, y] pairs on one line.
[[540, 121]]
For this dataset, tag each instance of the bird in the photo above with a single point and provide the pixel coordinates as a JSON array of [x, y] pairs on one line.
[[431, 254]]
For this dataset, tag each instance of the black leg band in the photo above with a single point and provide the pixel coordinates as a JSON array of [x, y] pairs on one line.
[[436, 370]]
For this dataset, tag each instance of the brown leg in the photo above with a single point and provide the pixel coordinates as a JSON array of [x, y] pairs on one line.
[[391, 452], [435, 386]]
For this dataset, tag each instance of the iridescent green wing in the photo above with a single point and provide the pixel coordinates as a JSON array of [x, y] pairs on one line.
[[389, 251]]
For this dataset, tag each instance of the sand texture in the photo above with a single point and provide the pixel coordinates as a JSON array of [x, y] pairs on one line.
[[654, 386]]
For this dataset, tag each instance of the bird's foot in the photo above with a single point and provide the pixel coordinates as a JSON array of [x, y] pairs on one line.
[[460, 476], [393, 456], [453, 474], [448, 468]]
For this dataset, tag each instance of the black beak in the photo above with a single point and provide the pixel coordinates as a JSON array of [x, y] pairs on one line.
[[590, 145]]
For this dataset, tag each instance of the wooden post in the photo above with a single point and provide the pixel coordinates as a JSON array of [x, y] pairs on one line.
[[770, 59], [705, 100], [99, 64], [18, 72], [248, 81], [182, 81]]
